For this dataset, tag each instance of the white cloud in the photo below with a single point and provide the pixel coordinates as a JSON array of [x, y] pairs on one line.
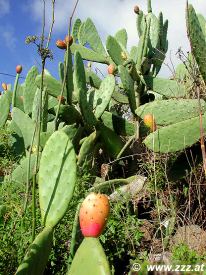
[[110, 16], [4, 7], [8, 37]]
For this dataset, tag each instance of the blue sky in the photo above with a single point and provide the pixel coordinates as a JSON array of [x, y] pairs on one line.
[[19, 19]]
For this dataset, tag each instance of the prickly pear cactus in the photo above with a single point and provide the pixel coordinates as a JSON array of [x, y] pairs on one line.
[[197, 39], [91, 258], [4, 109], [37, 256], [175, 137], [57, 173]]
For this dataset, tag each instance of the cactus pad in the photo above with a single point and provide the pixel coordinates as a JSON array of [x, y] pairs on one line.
[[57, 174]]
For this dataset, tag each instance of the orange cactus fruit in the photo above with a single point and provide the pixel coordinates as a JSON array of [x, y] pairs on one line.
[[111, 69], [93, 214], [4, 86], [61, 44], [68, 39], [18, 69], [149, 121], [62, 99]]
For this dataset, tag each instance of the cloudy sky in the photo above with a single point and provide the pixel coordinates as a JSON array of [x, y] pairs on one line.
[[22, 18]]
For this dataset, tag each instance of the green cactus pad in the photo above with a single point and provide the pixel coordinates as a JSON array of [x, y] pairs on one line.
[[30, 89], [134, 54], [4, 109], [75, 29], [118, 124], [143, 45], [172, 110], [87, 148], [91, 258], [140, 23], [74, 134], [57, 173], [69, 114], [51, 85], [111, 141], [202, 22], [154, 29], [166, 87], [89, 54], [19, 174], [92, 79], [82, 39], [25, 124], [61, 71], [176, 136], [35, 108], [69, 76], [128, 85], [16, 139], [92, 37], [197, 39], [114, 49], [119, 97], [104, 94], [37, 256], [80, 87], [121, 37]]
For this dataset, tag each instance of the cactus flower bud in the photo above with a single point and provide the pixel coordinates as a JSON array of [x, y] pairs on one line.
[[124, 55], [111, 69], [4, 86], [68, 39], [136, 9], [18, 69], [61, 44], [93, 214]]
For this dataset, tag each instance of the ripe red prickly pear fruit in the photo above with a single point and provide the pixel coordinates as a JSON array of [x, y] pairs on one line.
[[111, 69], [61, 44], [149, 121], [62, 99], [4, 86], [18, 69], [136, 9], [68, 39], [93, 214]]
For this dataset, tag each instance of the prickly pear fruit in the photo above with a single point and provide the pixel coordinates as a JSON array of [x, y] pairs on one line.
[[61, 44], [149, 121], [62, 99], [136, 9], [68, 40], [111, 69], [93, 214], [4, 86], [18, 69]]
